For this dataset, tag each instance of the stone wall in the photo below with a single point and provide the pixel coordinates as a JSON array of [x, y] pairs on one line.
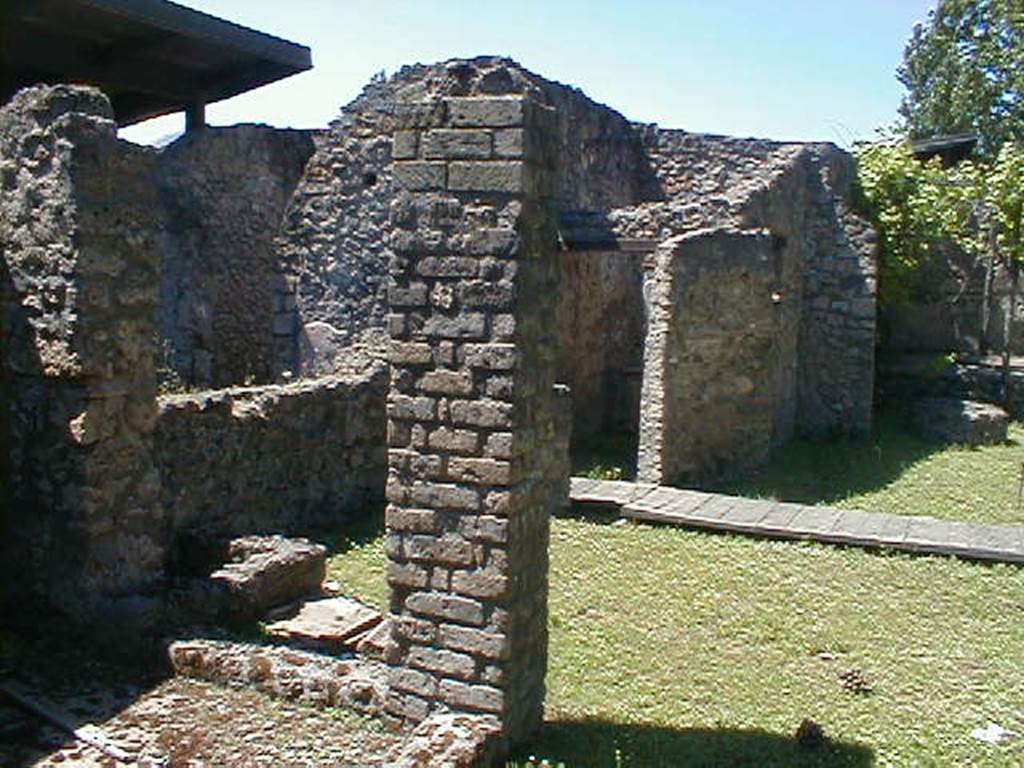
[[476, 462], [224, 302], [810, 350], [79, 297], [837, 326], [808, 206], [601, 323], [944, 310], [273, 459], [334, 247], [719, 386]]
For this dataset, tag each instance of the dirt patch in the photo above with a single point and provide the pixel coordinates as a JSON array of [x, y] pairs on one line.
[[184, 723]]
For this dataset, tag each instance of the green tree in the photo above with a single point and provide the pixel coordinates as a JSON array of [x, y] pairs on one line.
[[916, 206], [964, 73]]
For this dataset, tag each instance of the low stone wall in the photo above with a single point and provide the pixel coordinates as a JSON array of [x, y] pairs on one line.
[[273, 459]]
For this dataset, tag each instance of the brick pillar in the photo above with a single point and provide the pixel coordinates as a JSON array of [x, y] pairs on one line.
[[475, 463]]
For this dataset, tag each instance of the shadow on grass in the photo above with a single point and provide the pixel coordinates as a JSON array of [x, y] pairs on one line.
[[596, 513], [606, 456], [814, 472], [599, 743], [362, 529]]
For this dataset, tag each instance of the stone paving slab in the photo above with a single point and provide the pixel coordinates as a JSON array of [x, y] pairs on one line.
[[759, 517], [618, 492], [326, 622]]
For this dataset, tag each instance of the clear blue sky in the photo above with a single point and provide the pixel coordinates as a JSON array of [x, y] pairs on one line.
[[781, 69]]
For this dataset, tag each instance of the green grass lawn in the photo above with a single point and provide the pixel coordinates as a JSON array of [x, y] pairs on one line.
[[896, 471], [678, 648]]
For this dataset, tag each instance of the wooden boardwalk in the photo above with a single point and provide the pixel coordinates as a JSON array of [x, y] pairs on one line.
[[756, 517]]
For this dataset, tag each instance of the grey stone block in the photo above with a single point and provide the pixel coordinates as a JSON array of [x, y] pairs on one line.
[[493, 176], [456, 144], [960, 421], [417, 176], [486, 112]]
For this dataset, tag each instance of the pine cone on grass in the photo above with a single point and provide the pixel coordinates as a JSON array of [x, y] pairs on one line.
[[855, 681]]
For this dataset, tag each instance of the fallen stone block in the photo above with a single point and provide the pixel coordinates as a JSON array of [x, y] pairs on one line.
[[264, 571], [330, 623], [451, 740], [373, 644], [968, 422]]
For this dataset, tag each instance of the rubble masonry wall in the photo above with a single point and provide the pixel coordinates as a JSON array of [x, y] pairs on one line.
[[274, 459], [79, 296], [225, 306]]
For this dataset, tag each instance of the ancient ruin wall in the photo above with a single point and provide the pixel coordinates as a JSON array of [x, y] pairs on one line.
[[80, 277], [334, 248], [601, 324], [476, 464], [224, 304], [700, 181], [716, 388], [812, 204], [837, 334], [272, 459]]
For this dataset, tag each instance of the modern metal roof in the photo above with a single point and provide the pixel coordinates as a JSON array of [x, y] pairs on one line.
[[150, 57], [951, 149]]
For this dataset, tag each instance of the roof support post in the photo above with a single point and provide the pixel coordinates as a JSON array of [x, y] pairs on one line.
[[195, 116]]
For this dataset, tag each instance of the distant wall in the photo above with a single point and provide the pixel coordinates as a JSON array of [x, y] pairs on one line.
[[275, 458], [79, 296], [839, 315], [224, 302], [944, 311], [808, 206], [601, 323], [333, 248]]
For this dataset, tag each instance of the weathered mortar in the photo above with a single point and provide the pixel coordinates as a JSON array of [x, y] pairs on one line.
[[273, 459], [478, 456], [77, 237]]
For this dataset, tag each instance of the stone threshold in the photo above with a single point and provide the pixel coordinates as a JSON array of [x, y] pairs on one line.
[[783, 520]]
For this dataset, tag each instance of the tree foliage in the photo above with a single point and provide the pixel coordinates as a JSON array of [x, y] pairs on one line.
[[964, 73], [916, 206]]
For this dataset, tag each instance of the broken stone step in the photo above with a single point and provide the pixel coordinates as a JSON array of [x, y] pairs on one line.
[[315, 679], [373, 643], [264, 571], [330, 623]]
